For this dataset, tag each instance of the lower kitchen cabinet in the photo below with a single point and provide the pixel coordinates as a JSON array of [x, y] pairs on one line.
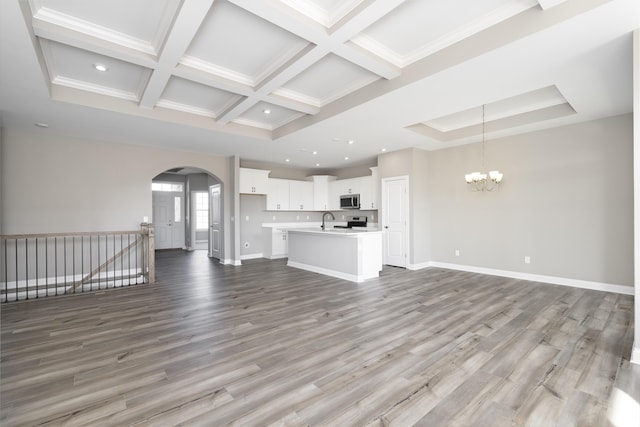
[[275, 243]]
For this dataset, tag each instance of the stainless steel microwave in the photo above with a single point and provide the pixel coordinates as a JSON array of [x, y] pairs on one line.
[[350, 201]]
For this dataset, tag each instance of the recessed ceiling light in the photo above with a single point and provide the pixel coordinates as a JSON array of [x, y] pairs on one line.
[[100, 67], [266, 111], [346, 158], [287, 160], [315, 152], [383, 150], [317, 164], [351, 141], [41, 125]]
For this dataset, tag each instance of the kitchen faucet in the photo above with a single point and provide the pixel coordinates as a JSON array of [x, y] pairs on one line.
[[325, 214]]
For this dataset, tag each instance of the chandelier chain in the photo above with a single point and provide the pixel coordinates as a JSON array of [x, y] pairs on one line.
[[478, 180]]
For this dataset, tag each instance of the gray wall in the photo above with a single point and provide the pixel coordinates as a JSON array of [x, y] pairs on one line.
[[413, 163], [56, 183], [566, 202]]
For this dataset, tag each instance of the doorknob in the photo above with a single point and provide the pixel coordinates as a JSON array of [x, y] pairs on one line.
[[386, 226]]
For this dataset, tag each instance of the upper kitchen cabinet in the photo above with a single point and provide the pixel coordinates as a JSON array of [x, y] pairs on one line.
[[369, 188], [278, 194], [254, 181], [300, 195], [321, 192]]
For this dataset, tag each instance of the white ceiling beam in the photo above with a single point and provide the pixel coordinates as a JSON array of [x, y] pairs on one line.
[[63, 35], [283, 16], [548, 4], [186, 24], [321, 44], [292, 68], [209, 79], [362, 17]]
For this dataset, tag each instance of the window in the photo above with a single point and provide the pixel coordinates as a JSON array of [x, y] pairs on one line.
[[177, 204], [202, 210], [166, 186]]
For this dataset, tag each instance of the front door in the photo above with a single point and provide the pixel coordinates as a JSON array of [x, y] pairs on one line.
[[394, 220], [215, 226], [168, 219]]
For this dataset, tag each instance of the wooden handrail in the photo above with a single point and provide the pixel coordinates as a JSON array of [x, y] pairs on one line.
[[143, 231]]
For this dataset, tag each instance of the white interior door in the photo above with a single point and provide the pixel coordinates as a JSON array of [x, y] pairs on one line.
[[394, 220], [168, 219], [215, 226]]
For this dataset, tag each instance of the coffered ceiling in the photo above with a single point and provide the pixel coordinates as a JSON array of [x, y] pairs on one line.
[[281, 79]]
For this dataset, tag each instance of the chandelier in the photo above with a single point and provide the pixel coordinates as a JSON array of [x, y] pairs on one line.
[[478, 181]]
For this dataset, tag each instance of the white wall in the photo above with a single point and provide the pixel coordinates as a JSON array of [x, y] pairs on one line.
[[56, 183]]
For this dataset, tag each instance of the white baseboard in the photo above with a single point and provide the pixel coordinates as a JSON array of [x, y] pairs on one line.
[[563, 281], [419, 266], [327, 272], [251, 256]]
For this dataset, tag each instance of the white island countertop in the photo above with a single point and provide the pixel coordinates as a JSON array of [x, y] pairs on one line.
[[353, 254], [356, 231]]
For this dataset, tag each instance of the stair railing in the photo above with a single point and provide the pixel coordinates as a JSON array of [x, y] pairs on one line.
[[53, 264]]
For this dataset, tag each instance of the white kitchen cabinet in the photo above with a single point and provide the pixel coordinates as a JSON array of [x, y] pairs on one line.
[[253, 181], [351, 186], [300, 195], [278, 195], [375, 186], [321, 192], [335, 191], [275, 241], [342, 187], [369, 190], [366, 193]]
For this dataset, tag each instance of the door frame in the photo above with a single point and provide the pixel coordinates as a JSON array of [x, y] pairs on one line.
[[221, 230], [384, 214]]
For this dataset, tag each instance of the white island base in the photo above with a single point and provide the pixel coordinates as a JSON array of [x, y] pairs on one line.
[[342, 253]]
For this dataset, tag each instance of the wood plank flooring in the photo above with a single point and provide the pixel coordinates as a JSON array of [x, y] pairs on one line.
[[269, 345]]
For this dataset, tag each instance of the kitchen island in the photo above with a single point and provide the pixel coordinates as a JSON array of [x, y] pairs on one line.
[[350, 254]]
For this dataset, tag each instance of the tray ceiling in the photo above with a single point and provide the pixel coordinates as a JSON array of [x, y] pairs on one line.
[[268, 70], [291, 58]]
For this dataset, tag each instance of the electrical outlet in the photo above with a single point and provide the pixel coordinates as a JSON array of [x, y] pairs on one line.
[[307, 217], [527, 260], [457, 252], [246, 218], [274, 217], [297, 217], [343, 217], [246, 244]]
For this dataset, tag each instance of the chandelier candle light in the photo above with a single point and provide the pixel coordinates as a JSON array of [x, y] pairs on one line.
[[478, 180]]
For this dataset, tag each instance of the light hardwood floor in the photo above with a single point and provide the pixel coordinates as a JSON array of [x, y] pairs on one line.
[[266, 344]]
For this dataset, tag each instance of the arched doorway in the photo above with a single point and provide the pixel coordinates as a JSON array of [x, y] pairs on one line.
[[187, 210]]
